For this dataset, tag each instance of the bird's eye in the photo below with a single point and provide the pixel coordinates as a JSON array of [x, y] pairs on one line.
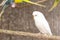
[[35, 15]]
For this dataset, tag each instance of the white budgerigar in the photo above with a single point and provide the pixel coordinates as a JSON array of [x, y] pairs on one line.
[[41, 23]]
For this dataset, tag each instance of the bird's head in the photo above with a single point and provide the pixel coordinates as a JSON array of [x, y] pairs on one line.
[[37, 14]]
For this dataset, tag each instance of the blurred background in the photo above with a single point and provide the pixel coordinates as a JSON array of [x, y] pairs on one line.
[[21, 19]]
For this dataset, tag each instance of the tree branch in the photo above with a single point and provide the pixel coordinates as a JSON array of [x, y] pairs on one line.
[[3, 2], [41, 1], [36, 35]]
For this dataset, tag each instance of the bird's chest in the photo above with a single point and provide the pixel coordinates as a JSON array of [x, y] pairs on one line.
[[38, 22]]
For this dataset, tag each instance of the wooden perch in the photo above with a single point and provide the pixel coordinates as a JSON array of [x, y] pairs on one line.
[[36, 35]]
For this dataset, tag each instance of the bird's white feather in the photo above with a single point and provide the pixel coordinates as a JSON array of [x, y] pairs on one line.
[[41, 23]]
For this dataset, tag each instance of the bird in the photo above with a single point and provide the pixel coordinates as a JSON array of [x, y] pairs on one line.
[[41, 23]]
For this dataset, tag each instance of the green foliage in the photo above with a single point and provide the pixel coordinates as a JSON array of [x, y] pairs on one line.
[[54, 5]]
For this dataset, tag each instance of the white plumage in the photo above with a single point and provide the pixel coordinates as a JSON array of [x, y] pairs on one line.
[[41, 23]]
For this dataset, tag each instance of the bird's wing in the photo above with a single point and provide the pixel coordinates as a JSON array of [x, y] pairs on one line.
[[46, 25], [42, 24]]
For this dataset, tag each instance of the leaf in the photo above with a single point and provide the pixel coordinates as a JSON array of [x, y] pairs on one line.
[[28, 1], [54, 5]]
